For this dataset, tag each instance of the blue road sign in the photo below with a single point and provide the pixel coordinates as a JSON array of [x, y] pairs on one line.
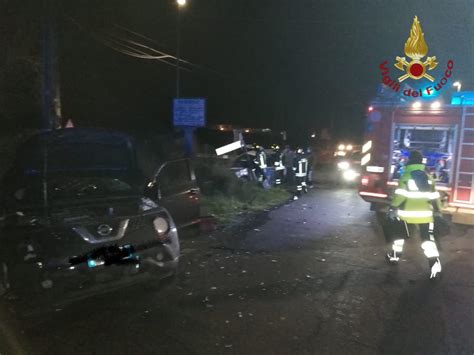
[[189, 112]]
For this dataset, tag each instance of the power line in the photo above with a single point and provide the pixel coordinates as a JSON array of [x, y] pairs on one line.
[[201, 67], [125, 46]]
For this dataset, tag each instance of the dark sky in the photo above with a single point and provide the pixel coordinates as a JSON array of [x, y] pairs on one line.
[[292, 64]]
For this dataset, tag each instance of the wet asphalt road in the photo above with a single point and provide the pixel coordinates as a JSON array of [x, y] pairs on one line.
[[307, 278]]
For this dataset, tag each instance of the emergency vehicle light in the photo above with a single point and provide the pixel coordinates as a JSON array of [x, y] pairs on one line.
[[366, 147], [372, 194], [365, 159], [416, 105]]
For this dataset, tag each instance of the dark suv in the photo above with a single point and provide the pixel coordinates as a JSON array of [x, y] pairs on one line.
[[80, 217]]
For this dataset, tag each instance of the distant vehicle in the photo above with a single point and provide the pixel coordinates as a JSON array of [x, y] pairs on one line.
[[79, 217], [348, 167]]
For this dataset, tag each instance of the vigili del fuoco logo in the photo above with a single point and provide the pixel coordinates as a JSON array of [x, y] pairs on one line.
[[416, 67]]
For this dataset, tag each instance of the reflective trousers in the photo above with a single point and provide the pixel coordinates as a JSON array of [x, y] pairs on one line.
[[428, 245]]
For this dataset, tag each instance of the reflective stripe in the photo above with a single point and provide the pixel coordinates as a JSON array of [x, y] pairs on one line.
[[397, 245], [435, 269], [421, 214], [399, 242], [366, 147], [302, 167], [418, 194], [365, 159], [412, 185], [430, 249]]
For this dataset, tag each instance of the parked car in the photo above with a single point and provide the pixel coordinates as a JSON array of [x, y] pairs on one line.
[[79, 216]]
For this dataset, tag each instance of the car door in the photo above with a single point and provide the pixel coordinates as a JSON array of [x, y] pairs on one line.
[[178, 191]]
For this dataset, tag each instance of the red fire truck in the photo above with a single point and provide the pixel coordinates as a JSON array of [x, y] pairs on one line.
[[445, 136]]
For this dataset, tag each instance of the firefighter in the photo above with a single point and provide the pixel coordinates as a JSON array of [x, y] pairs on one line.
[[278, 165], [261, 158], [288, 158], [416, 202], [261, 164], [301, 172]]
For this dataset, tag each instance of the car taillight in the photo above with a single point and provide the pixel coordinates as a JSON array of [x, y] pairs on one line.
[[364, 181]]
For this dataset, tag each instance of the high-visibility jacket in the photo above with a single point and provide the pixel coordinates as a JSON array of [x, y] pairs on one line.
[[416, 196]]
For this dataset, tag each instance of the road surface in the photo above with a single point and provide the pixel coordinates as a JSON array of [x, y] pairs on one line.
[[307, 278]]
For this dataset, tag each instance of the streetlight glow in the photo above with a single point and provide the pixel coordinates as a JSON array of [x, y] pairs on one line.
[[181, 2]]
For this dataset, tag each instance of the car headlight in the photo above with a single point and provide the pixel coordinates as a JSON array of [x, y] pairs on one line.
[[341, 147], [350, 175], [161, 225], [343, 165]]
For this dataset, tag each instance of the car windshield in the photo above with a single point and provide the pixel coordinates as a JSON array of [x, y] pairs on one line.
[[72, 189], [75, 157]]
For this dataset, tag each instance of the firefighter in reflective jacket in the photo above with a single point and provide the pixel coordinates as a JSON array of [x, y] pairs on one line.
[[301, 172], [415, 202], [261, 163]]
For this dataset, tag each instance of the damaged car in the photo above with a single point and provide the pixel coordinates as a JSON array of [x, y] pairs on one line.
[[78, 219]]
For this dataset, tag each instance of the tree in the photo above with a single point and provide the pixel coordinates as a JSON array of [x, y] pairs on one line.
[[20, 74]]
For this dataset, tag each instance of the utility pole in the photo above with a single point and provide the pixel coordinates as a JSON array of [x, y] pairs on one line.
[[50, 91]]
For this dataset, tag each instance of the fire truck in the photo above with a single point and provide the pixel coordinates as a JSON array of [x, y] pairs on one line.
[[443, 133]]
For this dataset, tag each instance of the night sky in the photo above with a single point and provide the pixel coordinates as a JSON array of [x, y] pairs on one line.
[[297, 65]]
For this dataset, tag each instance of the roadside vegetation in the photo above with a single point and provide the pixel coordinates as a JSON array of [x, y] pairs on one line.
[[225, 196]]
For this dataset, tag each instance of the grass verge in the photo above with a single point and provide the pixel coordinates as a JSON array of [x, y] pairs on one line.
[[226, 207]]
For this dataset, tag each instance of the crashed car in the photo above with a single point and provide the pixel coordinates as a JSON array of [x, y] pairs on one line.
[[78, 218]]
